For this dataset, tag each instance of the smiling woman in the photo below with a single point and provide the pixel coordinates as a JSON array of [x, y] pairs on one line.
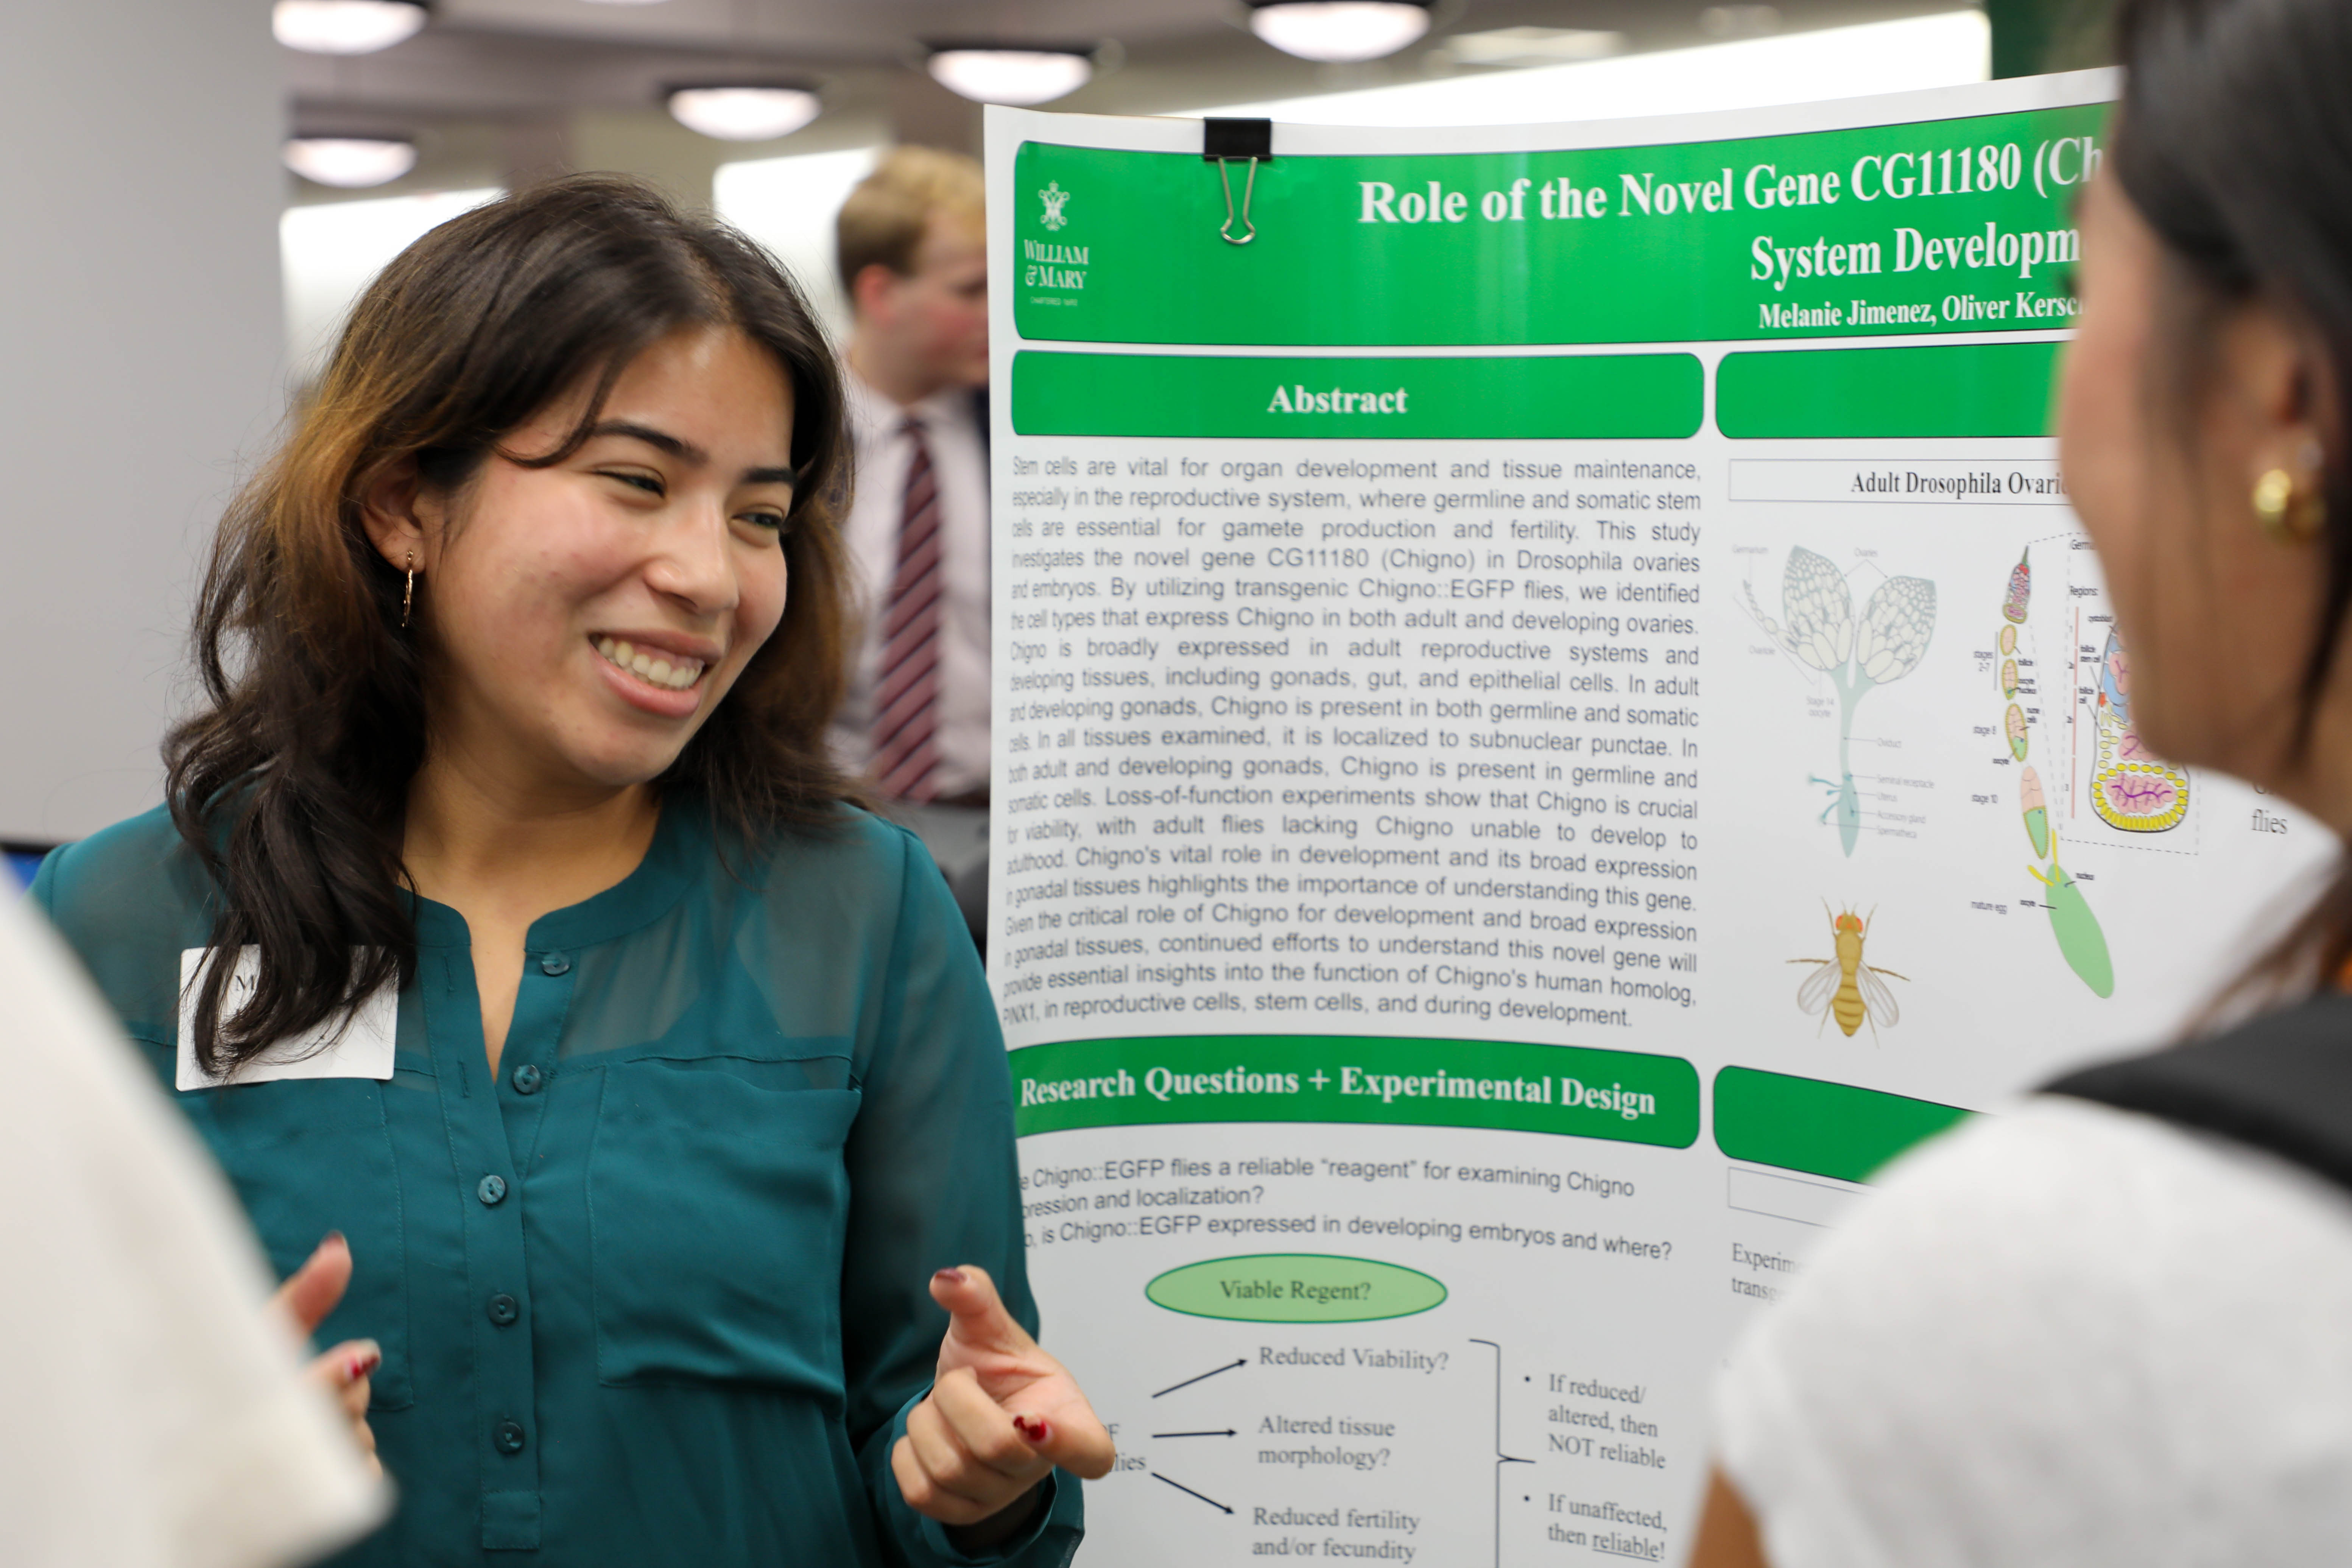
[[510, 920], [475, 372], [649, 514]]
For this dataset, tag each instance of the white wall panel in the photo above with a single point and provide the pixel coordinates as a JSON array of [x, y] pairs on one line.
[[140, 348]]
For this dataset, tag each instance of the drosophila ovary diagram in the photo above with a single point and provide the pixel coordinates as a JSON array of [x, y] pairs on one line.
[[2130, 789], [1817, 628], [2081, 941]]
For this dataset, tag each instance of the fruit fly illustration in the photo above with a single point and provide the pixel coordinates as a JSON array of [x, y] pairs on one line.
[[1844, 987]]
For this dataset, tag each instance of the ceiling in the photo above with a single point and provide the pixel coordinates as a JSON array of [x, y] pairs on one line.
[[496, 89]]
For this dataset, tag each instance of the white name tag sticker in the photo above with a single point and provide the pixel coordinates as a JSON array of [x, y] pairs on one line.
[[362, 1048]]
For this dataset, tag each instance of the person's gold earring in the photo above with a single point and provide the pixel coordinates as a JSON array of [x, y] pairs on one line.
[[2274, 509], [408, 595]]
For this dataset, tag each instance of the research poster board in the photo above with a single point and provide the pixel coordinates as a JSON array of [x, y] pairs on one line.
[[1550, 714]]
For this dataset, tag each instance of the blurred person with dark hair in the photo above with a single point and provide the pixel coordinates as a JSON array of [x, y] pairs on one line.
[[2110, 1329], [911, 244], [510, 917], [149, 1416]]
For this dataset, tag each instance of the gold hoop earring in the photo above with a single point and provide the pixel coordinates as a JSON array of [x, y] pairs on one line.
[[408, 595]]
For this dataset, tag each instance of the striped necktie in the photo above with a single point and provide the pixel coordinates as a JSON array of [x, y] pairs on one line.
[[907, 687]]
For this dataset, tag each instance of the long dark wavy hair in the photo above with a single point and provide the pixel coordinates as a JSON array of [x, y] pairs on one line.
[[292, 783]]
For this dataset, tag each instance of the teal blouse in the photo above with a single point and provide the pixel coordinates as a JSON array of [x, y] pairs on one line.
[[657, 1291]]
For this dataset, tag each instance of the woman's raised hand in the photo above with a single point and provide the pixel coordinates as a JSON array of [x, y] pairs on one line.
[[303, 1302], [1001, 1416]]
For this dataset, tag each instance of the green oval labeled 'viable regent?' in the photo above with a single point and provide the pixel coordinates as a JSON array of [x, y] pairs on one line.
[[1295, 1287]]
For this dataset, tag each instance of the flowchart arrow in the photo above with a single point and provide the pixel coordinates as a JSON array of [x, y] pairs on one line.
[[1228, 1432], [1188, 1491], [1191, 1381]]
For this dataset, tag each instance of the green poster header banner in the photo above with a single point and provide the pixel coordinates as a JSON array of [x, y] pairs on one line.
[[1536, 397], [1825, 1129], [1948, 226], [1987, 389], [1624, 1096]]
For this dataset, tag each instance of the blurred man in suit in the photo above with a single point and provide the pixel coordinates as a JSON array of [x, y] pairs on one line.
[[911, 244]]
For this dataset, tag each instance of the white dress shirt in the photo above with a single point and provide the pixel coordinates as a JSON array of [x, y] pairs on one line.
[[950, 427], [149, 1414]]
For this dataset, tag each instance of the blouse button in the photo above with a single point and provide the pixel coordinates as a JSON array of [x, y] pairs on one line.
[[527, 1079], [508, 1437], [491, 1189], [503, 1309], [554, 963]]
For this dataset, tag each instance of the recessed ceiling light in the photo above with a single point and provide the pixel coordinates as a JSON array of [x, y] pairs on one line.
[[1338, 32], [1741, 21], [743, 111], [1531, 45], [350, 162], [1030, 74], [345, 26]]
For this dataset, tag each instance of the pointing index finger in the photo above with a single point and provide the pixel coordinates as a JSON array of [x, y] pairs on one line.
[[981, 1321]]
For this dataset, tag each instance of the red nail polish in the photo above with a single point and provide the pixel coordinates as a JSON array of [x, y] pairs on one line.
[[949, 1276], [1032, 1428], [362, 1363]]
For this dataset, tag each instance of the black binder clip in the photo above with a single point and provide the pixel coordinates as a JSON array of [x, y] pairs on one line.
[[1225, 142]]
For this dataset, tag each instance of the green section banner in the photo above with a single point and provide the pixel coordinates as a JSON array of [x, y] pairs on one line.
[[1947, 226], [1940, 389], [1821, 1128], [1545, 397], [1624, 1096]]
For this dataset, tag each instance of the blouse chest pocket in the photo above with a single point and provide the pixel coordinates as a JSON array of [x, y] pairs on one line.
[[717, 1209], [308, 1156]]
